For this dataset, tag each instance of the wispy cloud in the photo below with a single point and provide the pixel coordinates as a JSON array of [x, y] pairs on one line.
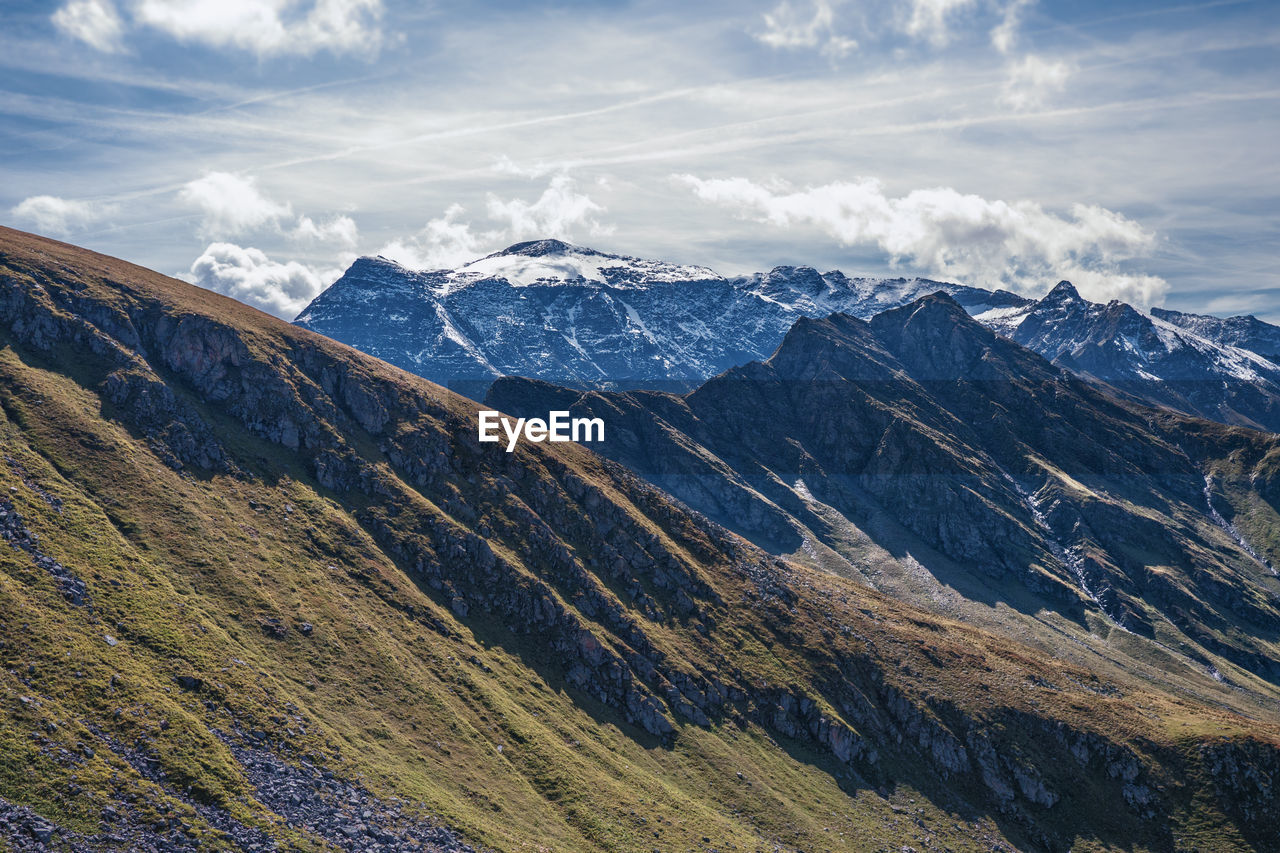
[[931, 19], [94, 22], [1005, 34], [445, 242], [944, 232], [560, 211], [806, 25], [1032, 80]]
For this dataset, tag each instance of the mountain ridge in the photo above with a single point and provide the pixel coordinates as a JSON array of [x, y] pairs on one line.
[[569, 320]]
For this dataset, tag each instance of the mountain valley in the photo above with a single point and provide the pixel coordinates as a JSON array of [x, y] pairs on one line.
[[263, 591]]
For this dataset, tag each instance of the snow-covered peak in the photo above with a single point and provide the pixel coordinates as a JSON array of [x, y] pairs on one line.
[[557, 262]]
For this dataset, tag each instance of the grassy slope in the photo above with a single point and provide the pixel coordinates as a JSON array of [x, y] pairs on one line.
[[394, 687]]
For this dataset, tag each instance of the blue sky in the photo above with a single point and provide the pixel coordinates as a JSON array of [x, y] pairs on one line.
[[258, 147]]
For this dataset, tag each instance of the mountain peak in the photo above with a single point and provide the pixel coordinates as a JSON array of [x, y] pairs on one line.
[[935, 337], [1063, 291], [930, 308], [543, 248]]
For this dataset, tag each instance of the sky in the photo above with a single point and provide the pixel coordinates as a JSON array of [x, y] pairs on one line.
[[258, 147]]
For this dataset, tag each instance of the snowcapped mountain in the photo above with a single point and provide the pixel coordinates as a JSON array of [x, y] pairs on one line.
[[579, 317], [576, 316], [553, 261], [1247, 332], [1146, 356]]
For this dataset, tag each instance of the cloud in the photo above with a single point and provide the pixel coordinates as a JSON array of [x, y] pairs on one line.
[[504, 165], [1033, 80], [788, 27], [929, 19], [448, 241], [231, 205], [248, 275], [340, 230], [1005, 34], [444, 243], [558, 212], [263, 27], [946, 233], [59, 216], [94, 22]]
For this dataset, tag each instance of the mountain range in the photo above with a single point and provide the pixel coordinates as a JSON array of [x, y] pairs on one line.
[[922, 443], [582, 318], [260, 590], [571, 315]]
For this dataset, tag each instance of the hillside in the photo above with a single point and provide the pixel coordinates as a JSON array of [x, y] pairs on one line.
[[937, 461], [263, 591]]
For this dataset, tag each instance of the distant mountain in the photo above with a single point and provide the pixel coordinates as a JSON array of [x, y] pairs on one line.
[[582, 318], [1247, 332], [1146, 356], [576, 316], [930, 457]]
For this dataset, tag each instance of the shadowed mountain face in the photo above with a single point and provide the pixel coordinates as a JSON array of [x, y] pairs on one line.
[[258, 590], [923, 442]]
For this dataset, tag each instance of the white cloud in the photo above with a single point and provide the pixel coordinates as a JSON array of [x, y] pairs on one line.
[[248, 275], [234, 206], [1005, 34], [444, 243], [504, 165], [59, 216], [340, 230], [94, 22], [268, 27], [231, 205], [946, 233], [1033, 80], [449, 241], [263, 27], [789, 27], [558, 212], [930, 19]]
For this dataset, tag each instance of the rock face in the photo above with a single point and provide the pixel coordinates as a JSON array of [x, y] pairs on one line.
[[525, 639], [988, 460], [581, 318]]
